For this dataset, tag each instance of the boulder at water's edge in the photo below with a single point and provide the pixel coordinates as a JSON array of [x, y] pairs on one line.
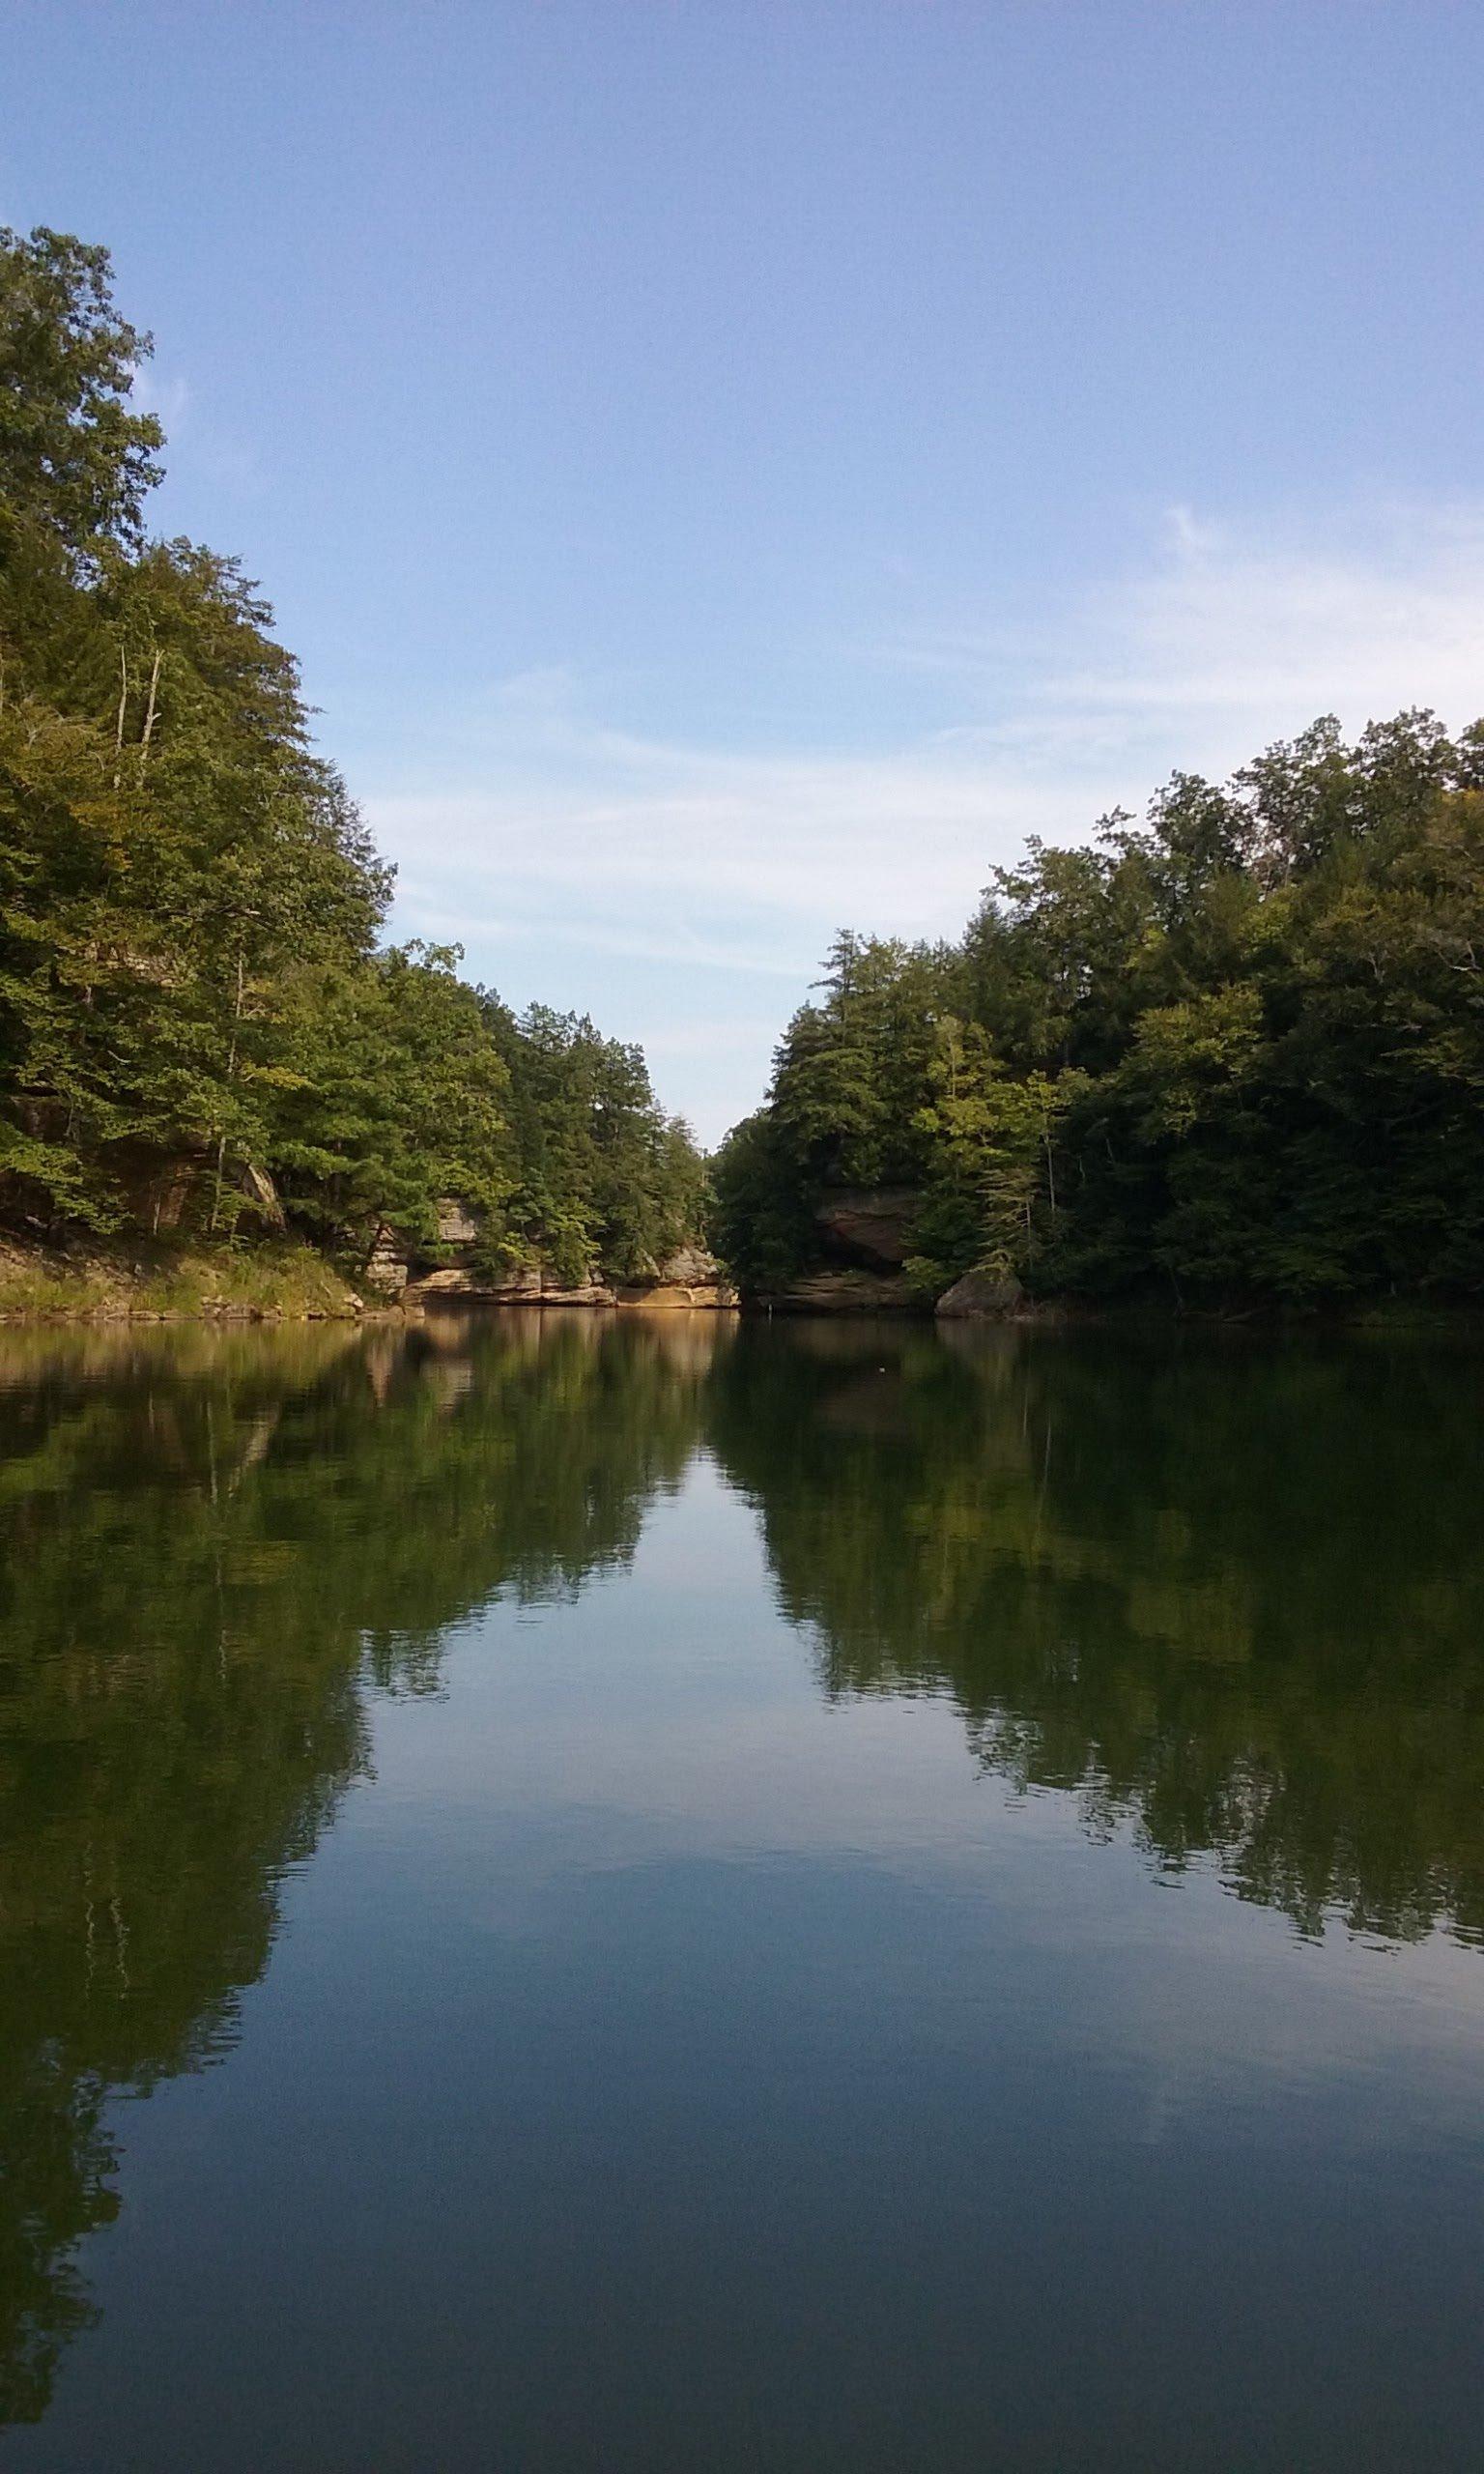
[[984, 1296]]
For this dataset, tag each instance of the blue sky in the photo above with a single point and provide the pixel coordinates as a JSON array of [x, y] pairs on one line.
[[732, 470]]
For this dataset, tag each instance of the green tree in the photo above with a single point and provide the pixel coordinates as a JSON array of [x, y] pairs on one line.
[[1233, 1054], [190, 988]]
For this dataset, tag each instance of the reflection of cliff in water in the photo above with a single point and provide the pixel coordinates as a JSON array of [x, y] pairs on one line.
[[210, 1546], [1233, 1591]]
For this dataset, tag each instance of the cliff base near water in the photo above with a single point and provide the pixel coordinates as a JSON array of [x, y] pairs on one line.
[[847, 1292], [990, 1297], [688, 1278], [131, 1279], [533, 1286]]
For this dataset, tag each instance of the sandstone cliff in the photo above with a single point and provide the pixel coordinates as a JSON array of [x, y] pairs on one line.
[[868, 1226], [686, 1280]]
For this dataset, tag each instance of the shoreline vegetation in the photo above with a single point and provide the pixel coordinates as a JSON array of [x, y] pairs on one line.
[[99, 1284], [1226, 1063], [276, 1280], [205, 1046]]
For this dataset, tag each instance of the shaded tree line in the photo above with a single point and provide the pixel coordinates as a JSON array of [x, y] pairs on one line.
[[1233, 1052], [194, 997]]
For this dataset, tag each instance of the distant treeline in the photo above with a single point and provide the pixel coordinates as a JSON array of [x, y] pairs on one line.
[[1236, 1053], [191, 984]]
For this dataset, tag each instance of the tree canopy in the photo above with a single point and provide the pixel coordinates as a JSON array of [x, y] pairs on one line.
[[1235, 1051], [191, 980]]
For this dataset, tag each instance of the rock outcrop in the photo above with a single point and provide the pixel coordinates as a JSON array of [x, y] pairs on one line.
[[985, 1297], [528, 1286], [456, 1226], [847, 1292], [385, 1271], [871, 1226], [688, 1278], [689, 1267]]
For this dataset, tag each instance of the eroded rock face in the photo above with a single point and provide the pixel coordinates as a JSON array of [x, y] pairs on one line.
[[456, 1227], [686, 1279], [872, 1227], [984, 1296], [689, 1267], [852, 1292], [529, 1286], [386, 1271]]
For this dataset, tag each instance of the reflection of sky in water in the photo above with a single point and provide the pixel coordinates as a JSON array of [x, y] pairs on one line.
[[701, 1738], [664, 2062]]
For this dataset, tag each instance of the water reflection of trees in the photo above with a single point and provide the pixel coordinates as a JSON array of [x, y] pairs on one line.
[[1233, 1591], [210, 1548]]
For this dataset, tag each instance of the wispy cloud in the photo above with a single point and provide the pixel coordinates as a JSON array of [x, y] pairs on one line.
[[155, 390], [1249, 636], [1226, 639], [196, 436], [557, 822]]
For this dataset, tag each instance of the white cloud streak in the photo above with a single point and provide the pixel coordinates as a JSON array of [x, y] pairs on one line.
[[695, 859]]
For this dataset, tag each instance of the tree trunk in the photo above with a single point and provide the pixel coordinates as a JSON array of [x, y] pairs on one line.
[[149, 718], [118, 728], [221, 1146]]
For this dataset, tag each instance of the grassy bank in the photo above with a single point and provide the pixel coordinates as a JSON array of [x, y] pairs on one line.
[[158, 1283]]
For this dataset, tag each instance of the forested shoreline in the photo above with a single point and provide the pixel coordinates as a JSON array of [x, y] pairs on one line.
[[203, 1039], [1229, 1059]]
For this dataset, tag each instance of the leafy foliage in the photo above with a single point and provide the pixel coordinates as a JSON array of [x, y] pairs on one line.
[[603, 1175], [190, 985], [1237, 1052]]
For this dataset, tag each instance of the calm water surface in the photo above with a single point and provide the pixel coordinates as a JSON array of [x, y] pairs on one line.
[[598, 1896]]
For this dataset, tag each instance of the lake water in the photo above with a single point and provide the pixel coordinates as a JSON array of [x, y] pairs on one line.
[[593, 1896]]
